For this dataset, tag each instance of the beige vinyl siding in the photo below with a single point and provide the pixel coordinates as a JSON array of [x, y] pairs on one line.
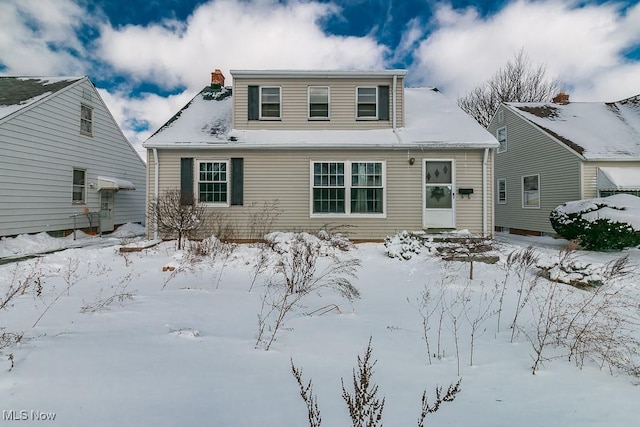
[[294, 108], [590, 175], [284, 176], [530, 152], [40, 148]]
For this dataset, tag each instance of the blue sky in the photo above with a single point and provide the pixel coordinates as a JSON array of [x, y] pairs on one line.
[[148, 58]]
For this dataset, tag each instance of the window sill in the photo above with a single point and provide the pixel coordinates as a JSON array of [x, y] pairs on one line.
[[271, 119], [318, 119], [366, 118], [349, 215], [215, 205], [86, 134]]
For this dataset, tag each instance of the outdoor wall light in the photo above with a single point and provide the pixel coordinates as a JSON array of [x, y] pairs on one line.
[[412, 160]]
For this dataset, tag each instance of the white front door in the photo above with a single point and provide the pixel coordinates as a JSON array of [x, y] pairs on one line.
[[106, 210], [438, 207]]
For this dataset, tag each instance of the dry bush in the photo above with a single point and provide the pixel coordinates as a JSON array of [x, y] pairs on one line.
[[261, 219], [177, 214]]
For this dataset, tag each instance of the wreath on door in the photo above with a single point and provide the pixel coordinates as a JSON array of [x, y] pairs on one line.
[[437, 193]]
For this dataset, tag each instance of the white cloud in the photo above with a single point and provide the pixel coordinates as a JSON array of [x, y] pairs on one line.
[[230, 34], [582, 44], [39, 37]]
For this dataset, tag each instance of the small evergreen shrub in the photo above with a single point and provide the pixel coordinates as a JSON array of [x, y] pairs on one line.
[[591, 230]]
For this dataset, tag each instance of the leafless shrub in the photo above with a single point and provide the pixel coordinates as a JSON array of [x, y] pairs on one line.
[[23, 277], [176, 213], [298, 274], [521, 262], [457, 309], [449, 396], [306, 392], [365, 408], [484, 311], [221, 225], [261, 218]]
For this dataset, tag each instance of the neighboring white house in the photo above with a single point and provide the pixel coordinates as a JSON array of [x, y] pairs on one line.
[[347, 148], [555, 152], [64, 160]]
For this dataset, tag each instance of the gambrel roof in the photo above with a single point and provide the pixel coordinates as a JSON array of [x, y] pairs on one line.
[[431, 121], [17, 93], [594, 130]]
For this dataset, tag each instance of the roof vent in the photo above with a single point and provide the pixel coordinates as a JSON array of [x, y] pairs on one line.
[[561, 98], [217, 79]]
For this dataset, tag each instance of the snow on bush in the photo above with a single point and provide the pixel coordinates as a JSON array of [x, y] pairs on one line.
[[403, 245], [606, 223]]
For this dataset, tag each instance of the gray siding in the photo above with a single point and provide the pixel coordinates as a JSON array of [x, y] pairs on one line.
[[41, 147], [294, 104], [529, 152], [284, 176]]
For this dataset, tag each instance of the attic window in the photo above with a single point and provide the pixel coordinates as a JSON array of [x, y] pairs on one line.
[[501, 136], [367, 103], [86, 120]]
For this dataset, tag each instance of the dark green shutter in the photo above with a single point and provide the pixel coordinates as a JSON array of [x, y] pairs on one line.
[[383, 102], [186, 181], [237, 181], [253, 103]]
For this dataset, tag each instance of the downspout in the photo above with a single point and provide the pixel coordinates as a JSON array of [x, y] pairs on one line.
[[484, 192], [155, 190], [394, 109]]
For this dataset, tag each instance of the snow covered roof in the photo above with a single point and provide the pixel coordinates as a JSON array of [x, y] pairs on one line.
[[595, 130], [17, 93], [431, 120]]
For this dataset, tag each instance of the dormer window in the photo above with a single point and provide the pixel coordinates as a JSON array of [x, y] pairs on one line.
[[318, 102], [367, 106], [269, 102]]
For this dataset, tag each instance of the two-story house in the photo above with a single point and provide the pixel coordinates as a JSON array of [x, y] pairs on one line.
[[349, 148], [554, 152], [64, 161]]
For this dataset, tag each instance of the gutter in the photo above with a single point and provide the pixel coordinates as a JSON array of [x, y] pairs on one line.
[[155, 190], [484, 192]]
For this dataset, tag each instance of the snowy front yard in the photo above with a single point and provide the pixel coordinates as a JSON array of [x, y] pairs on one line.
[[110, 339]]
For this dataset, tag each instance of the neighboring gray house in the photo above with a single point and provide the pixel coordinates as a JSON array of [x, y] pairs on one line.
[[555, 152], [345, 148], [64, 158]]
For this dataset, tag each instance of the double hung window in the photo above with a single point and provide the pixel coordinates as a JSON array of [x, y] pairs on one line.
[[531, 191], [86, 120], [79, 186], [213, 182], [502, 191], [318, 102], [349, 187], [501, 136], [367, 105], [270, 102]]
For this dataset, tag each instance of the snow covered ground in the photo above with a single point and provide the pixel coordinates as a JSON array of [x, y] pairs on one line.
[[110, 339]]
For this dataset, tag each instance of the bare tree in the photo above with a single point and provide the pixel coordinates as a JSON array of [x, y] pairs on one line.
[[519, 81], [176, 214]]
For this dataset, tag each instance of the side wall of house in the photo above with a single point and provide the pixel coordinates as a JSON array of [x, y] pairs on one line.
[[294, 107], [40, 149], [590, 175], [284, 178], [531, 152]]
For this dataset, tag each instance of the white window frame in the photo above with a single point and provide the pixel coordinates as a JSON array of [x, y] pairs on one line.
[[84, 119], [525, 192], [503, 181], [227, 181], [261, 115], [358, 116], [309, 103], [500, 116], [82, 187], [503, 143], [347, 189]]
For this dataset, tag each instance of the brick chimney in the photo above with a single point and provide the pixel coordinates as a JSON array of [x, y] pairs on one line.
[[217, 79], [561, 98]]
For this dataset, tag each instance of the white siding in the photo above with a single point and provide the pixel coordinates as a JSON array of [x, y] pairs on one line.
[[40, 148]]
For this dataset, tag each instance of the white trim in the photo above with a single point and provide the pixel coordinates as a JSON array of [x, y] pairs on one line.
[[89, 120], [347, 189], [327, 118], [522, 177], [424, 189], [260, 116], [376, 102], [196, 182], [363, 74], [503, 202]]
